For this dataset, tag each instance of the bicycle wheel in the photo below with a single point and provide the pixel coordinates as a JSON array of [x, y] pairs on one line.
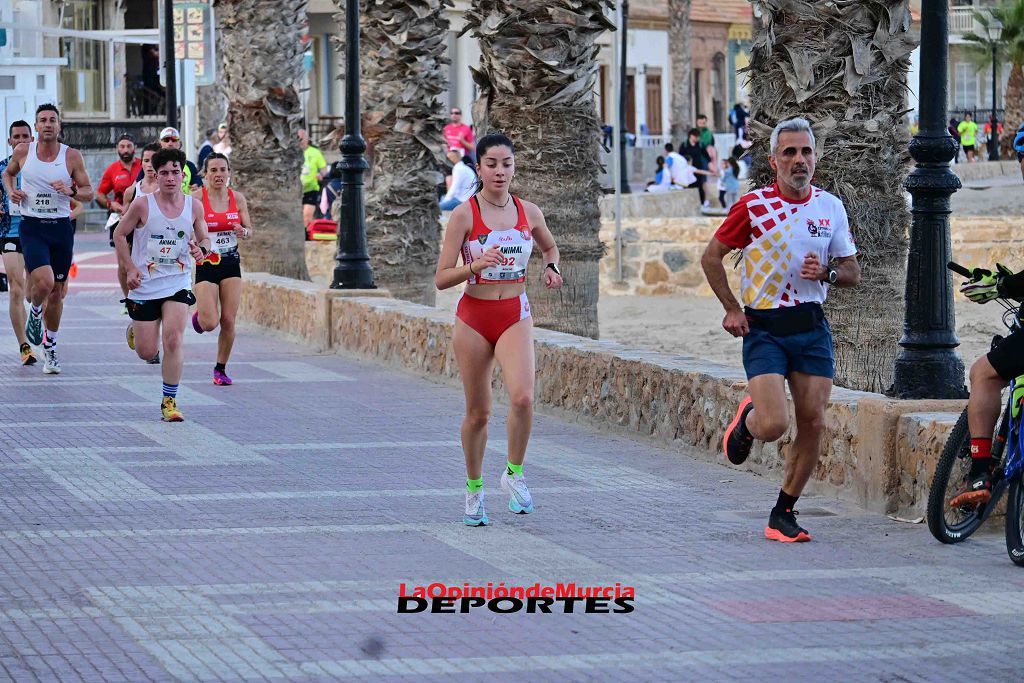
[[952, 525], [1015, 522]]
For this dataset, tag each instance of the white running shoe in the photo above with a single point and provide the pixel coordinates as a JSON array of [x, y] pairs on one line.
[[475, 515], [520, 501], [51, 366]]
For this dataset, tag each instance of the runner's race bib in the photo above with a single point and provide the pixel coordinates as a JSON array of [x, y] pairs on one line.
[[224, 241], [164, 250], [43, 202], [509, 269]]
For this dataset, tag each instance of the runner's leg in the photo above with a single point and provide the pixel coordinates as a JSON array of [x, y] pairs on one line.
[[810, 398], [207, 304], [476, 362], [147, 338], [230, 297], [769, 419], [174, 315], [14, 264], [514, 353]]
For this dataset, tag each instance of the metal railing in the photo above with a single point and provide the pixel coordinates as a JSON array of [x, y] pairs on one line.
[[961, 20], [104, 135]]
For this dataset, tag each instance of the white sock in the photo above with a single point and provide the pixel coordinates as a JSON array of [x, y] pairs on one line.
[[50, 339]]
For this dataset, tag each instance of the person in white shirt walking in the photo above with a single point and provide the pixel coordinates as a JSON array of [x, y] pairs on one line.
[[464, 181]]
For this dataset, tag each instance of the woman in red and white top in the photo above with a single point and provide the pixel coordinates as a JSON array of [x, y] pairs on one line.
[[219, 276], [494, 232]]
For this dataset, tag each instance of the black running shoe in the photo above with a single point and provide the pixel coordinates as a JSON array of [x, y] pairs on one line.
[[737, 440], [782, 526], [978, 491]]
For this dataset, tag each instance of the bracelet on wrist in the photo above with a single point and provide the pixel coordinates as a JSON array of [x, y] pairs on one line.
[[471, 269]]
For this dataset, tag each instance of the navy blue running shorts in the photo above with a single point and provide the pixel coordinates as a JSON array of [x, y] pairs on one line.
[[48, 242], [808, 352]]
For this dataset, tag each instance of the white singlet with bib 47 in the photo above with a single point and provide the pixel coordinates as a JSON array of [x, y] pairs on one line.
[[160, 251]]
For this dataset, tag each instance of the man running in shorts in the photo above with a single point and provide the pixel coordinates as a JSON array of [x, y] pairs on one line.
[[140, 188], [118, 177], [51, 174], [169, 235], [788, 233], [10, 247]]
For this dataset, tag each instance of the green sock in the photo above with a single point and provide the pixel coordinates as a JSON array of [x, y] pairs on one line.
[[514, 469], [475, 485]]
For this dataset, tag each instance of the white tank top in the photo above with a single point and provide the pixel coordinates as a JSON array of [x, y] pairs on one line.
[[160, 251], [139, 192], [36, 181]]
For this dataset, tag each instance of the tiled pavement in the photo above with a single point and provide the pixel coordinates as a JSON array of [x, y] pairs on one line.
[[266, 537]]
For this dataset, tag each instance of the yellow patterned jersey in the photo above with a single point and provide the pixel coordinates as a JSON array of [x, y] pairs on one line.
[[775, 234]]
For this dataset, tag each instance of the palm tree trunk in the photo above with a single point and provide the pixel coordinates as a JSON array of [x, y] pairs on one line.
[[681, 114], [538, 68], [260, 68], [403, 76], [1014, 113], [844, 67]]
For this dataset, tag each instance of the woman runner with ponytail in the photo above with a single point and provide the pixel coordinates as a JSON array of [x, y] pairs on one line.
[[494, 232], [219, 276]]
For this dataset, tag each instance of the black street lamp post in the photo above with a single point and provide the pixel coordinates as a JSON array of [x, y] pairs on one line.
[[353, 269], [994, 29], [929, 366], [624, 173]]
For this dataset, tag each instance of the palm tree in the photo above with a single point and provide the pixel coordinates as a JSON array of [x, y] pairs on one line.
[[843, 66], [259, 70], [403, 76], [681, 114], [1010, 46], [538, 68]]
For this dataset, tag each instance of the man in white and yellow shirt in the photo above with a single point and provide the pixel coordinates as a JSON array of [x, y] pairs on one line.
[[796, 243]]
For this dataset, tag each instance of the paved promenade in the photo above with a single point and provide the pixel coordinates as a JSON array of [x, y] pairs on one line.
[[266, 538]]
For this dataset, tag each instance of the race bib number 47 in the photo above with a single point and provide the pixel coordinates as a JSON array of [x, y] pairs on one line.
[[163, 250]]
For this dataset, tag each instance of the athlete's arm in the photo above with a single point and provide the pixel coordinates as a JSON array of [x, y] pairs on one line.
[[127, 197], [79, 177], [847, 271], [105, 188], [449, 273], [735, 322], [546, 241], [201, 233], [133, 217], [245, 229], [10, 175]]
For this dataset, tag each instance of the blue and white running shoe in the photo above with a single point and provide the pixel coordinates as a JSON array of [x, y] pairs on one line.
[[520, 501], [475, 515]]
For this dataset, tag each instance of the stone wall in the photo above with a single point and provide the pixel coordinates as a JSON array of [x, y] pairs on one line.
[[878, 452]]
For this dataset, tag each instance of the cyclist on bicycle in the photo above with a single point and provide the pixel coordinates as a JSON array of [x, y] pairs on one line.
[[991, 373]]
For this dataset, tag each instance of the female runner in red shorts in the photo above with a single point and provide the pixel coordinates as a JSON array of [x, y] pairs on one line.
[[494, 232]]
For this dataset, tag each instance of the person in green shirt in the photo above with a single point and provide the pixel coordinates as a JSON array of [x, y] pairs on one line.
[[968, 129], [313, 168], [706, 136]]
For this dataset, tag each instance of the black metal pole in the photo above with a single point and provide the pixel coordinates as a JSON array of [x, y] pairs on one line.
[[170, 74], [624, 175], [929, 366], [993, 139], [353, 269]]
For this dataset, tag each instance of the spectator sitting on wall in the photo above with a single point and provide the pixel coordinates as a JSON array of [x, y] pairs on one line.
[[464, 181]]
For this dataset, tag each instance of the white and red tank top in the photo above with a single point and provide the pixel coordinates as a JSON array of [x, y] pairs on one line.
[[516, 244], [222, 222]]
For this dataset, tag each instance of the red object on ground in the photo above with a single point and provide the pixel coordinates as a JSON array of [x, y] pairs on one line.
[[322, 229], [73, 273]]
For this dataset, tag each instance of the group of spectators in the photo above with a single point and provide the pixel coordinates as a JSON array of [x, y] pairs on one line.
[[697, 163]]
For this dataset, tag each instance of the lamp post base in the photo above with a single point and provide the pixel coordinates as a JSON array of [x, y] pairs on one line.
[[931, 373]]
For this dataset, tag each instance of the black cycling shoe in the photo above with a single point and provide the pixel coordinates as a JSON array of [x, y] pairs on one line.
[[978, 491], [782, 526]]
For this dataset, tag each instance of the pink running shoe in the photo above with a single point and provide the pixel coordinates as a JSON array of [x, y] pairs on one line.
[[220, 379], [196, 326]]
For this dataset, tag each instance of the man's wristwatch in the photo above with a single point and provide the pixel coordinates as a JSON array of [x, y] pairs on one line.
[[831, 276], [554, 267], [74, 191]]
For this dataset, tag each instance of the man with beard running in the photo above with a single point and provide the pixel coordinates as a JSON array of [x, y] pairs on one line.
[[10, 247], [118, 177], [795, 242], [51, 175]]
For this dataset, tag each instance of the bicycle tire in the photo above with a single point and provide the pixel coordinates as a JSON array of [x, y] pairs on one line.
[[957, 445], [1015, 522]]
